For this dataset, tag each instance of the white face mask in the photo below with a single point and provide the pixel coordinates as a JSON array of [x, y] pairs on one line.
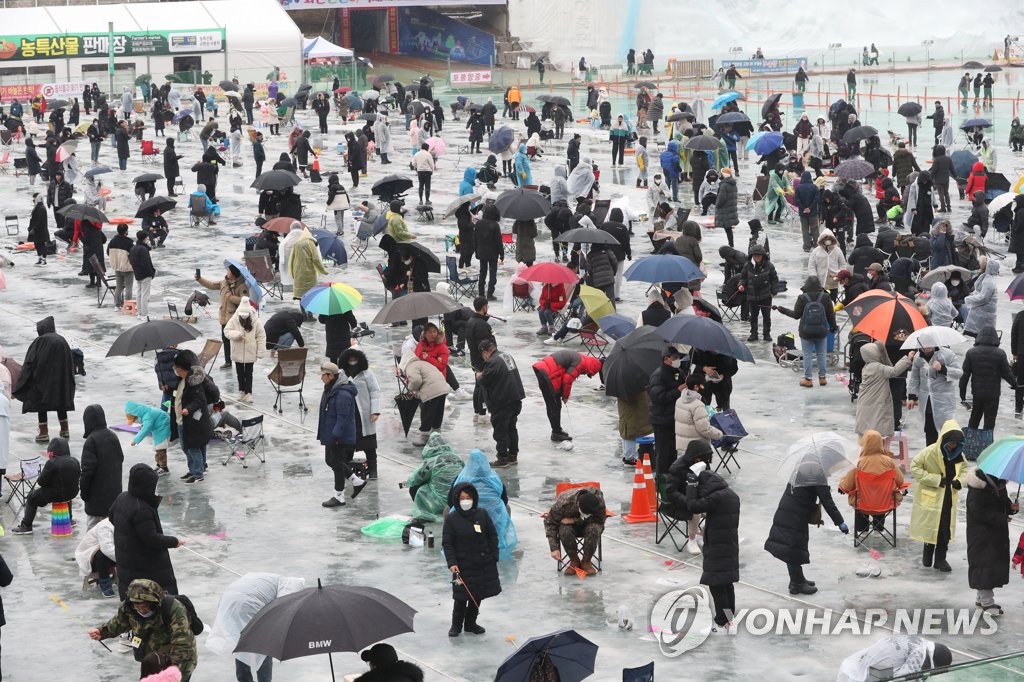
[[466, 505], [676, 364]]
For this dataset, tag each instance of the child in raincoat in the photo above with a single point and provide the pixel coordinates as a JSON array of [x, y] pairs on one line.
[[643, 161], [431, 481], [154, 423], [523, 174], [775, 197], [493, 499]]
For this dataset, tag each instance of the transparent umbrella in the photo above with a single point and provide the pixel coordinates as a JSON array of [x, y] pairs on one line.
[[812, 459]]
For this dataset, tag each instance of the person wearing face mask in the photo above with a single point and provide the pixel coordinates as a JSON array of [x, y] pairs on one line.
[[470, 544], [666, 386], [355, 365], [159, 624], [576, 513], [933, 382], [939, 472]]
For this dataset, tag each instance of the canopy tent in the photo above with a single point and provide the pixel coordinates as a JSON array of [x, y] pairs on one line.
[[320, 48]]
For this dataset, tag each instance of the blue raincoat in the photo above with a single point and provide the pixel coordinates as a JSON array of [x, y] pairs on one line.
[[523, 174], [155, 422], [468, 182], [491, 490]]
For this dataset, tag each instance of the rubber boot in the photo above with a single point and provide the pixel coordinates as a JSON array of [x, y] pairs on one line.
[[929, 552], [44, 433], [940, 561], [574, 563], [472, 611], [64, 431], [458, 616]]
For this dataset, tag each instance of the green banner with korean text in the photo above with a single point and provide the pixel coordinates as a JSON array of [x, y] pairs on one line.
[[126, 44]]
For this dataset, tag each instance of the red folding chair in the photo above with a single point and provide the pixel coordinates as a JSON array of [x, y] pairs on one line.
[[877, 495]]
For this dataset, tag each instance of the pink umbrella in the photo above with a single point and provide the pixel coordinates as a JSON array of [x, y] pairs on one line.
[[436, 145], [66, 150]]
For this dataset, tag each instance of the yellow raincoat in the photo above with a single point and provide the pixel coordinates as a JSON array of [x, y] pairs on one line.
[[928, 469], [304, 264]]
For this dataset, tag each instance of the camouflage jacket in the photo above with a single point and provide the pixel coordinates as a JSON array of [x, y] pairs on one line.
[[567, 506]]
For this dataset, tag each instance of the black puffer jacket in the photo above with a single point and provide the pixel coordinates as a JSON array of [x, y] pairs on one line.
[[601, 265], [477, 329], [199, 393], [501, 381], [139, 540], [102, 461], [399, 671], [988, 536], [474, 551], [688, 243], [676, 484], [787, 539], [865, 254], [713, 496], [985, 365], [726, 206], [761, 281], [488, 236], [61, 472], [663, 393]]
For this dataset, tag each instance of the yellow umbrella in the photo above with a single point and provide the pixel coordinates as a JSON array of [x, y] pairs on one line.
[[82, 128], [596, 303]]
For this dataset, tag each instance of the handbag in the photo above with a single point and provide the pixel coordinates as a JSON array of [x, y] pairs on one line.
[[815, 518], [976, 440]]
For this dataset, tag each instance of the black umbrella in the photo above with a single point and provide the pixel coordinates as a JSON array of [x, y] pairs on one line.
[[391, 185], [228, 85], [705, 334], [703, 143], [383, 78], [97, 170], [416, 305], [417, 107], [994, 68], [629, 366], [975, 123], [152, 335], [407, 405], [769, 103], [544, 98], [420, 251], [855, 135], [167, 115], [304, 87], [147, 177], [474, 107], [645, 84], [854, 169], [587, 235], [522, 204], [972, 65], [158, 202], [367, 117], [275, 180], [997, 181], [56, 103], [732, 118], [909, 109], [560, 101], [680, 115], [322, 620], [571, 653], [288, 102], [703, 307], [83, 212]]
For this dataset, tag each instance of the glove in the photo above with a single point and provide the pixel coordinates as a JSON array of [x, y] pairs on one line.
[[956, 484], [844, 528]]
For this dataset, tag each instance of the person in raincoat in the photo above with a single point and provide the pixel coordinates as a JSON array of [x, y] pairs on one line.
[[874, 402], [984, 302], [97, 556], [155, 423], [988, 537], [493, 498], [581, 180], [470, 543], [893, 656], [939, 473], [523, 174], [939, 310], [469, 182], [239, 603], [775, 197], [874, 459], [304, 265], [933, 383], [47, 379], [430, 483], [826, 261]]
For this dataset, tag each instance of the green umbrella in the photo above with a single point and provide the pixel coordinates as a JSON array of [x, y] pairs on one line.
[[144, 78]]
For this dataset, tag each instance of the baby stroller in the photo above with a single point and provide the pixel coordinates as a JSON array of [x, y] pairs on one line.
[[855, 362]]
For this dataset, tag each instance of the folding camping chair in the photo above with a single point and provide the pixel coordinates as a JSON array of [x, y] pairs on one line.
[[11, 225], [197, 213], [259, 264], [644, 673], [150, 153], [106, 283], [23, 481], [727, 446], [666, 526], [425, 213], [290, 372], [208, 356], [594, 343], [731, 306], [598, 557], [508, 240], [249, 443], [521, 297], [459, 285], [361, 241], [877, 495]]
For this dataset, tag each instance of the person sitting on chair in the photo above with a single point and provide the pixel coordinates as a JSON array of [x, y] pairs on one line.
[[145, 190], [577, 513], [874, 459], [58, 482], [212, 209]]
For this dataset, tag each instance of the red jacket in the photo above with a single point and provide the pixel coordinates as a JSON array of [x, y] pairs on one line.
[[552, 297], [976, 180], [436, 354], [882, 175], [564, 367]]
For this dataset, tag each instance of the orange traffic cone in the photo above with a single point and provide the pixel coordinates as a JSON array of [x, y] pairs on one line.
[[640, 507], [652, 492]]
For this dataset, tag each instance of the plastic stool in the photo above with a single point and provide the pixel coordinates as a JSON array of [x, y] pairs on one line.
[[60, 520], [129, 307], [645, 446]]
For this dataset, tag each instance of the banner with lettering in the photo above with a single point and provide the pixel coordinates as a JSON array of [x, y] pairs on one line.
[[15, 48]]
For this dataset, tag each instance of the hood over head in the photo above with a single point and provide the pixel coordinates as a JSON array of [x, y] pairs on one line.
[[59, 447], [874, 352], [46, 326], [353, 362], [939, 291], [144, 590], [93, 419], [469, 175], [560, 172], [467, 488], [987, 336], [871, 443], [811, 285], [142, 480], [806, 175]]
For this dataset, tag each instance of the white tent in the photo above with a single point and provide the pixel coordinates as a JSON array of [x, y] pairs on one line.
[[320, 47]]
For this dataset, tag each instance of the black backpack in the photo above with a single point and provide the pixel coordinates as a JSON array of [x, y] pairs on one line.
[[194, 622], [814, 320]]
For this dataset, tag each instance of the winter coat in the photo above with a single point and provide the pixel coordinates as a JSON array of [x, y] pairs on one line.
[[337, 197], [139, 540], [720, 504], [941, 248], [688, 243], [121, 139], [931, 472], [141, 261], [941, 169], [102, 460], [664, 393], [32, 163], [470, 542], [761, 281], [1017, 228], [305, 264], [984, 301], [937, 388], [423, 378], [670, 160], [501, 381], [692, 421], [621, 233], [567, 505], [337, 423], [231, 292], [874, 401], [99, 538], [153, 421], [986, 367], [634, 416], [903, 164], [526, 244], [477, 330], [488, 238], [38, 225], [988, 533], [601, 266], [788, 537], [246, 346], [807, 196], [825, 264], [47, 379], [777, 187], [117, 252], [726, 204], [524, 176], [285, 322], [367, 391], [563, 367], [656, 109], [873, 459], [977, 180], [61, 473]]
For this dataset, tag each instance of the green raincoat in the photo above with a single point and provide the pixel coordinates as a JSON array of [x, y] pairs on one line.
[[304, 264], [928, 470], [777, 186], [433, 478]]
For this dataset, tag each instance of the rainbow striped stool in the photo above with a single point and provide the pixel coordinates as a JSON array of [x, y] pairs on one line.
[[60, 520]]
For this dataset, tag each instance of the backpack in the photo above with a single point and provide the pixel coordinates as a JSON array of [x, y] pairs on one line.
[[194, 623], [814, 321]]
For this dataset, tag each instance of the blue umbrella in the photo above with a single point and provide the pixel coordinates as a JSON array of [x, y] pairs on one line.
[[501, 139], [255, 293], [181, 114], [768, 143], [616, 325], [569, 651], [962, 162], [725, 98], [330, 246], [754, 138], [975, 123], [705, 334], [663, 268], [353, 101]]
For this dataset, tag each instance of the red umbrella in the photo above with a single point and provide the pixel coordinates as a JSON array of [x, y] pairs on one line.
[[280, 225], [885, 316], [550, 273]]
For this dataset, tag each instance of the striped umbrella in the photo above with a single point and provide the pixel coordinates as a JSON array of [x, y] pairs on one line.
[[885, 316], [331, 298]]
